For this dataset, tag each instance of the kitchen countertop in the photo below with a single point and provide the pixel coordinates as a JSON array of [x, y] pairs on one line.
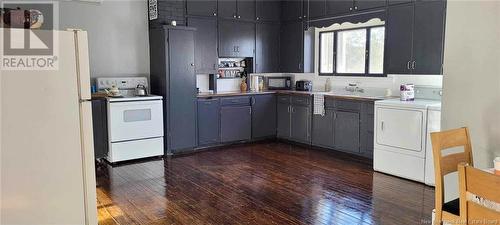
[[353, 96]]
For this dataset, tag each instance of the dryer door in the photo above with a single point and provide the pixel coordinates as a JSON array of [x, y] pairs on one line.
[[400, 128]]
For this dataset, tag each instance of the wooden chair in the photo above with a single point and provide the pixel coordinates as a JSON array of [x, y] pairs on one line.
[[484, 185], [443, 165]]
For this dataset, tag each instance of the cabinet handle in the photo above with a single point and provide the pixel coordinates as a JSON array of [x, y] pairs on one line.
[[300, 66], [355, 7], [350, 9], [334, 115], [239, 17], [215, 14], [253, 100], [250, 111], [257, 18], [234, 15], [382, 126], [413, 65], [408, 65], [288, 109], [192, 64]]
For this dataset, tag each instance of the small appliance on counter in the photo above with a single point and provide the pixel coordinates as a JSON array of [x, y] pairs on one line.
[[303, 85], [279, 83], [407, 92]]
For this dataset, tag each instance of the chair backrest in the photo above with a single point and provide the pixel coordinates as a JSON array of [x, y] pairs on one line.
[[481, 184], [444, 165]]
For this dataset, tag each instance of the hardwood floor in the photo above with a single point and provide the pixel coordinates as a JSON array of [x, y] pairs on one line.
[[264, 183]]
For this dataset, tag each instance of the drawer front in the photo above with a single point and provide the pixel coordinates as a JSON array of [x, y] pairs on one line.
[[329, 103], [284, 99], [347, 105], [301, 100], [244, 100]]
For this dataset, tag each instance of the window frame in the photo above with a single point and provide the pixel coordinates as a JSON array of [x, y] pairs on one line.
[[367, 53]]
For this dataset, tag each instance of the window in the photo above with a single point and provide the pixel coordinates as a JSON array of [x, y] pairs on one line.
[[353, 52]]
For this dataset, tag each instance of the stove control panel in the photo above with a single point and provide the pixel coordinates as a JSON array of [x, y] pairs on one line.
[[123, 83]]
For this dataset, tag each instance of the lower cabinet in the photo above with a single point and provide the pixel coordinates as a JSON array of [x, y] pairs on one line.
[[294, 118], [100, 126], [322, 133], [263, 116], [301, 125], [208, 121], [346, 125], [236, 123]]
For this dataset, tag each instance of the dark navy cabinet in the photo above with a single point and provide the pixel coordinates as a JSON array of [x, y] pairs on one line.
[[236, 119], [283, 116], [206, 44], [100, 127], [322, 133], [292, 10], [236, 38], [173, 77], [301, 123], [263, 116], [415, 38], [267, 51], [237, 9], [201, 7], [268, 10], [292, 47], [366, 132], [208, 121], [346, 125]]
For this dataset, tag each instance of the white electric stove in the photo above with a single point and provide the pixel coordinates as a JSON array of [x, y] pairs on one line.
[[135, 123]]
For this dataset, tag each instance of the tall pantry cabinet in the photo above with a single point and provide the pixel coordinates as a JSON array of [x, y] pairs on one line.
[[173, 77]]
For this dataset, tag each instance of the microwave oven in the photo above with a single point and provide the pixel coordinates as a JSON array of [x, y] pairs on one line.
[[279, 83]]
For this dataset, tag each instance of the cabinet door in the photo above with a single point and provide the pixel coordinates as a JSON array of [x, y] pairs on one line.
[[283, 120], [235, 123], [201, 7], [369, 4], [366, 132], [263, 116], [227, 9], [301, 128], [428, 37], [205, 45], [245, 32], [339, 7], [208, 121], [392, 133], [182, 90], [292, 47], [346, 131], [322, 133], [246, 9], [317, 8], [291, 10], [268, 10], [100, 127], [399, 44], [228, 38], [267, 48]]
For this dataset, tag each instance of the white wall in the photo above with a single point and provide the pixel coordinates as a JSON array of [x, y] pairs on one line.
[[472, 66], [118, 34], [471, 85]]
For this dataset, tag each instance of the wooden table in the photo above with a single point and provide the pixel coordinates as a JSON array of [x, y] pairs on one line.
[[485, 202]]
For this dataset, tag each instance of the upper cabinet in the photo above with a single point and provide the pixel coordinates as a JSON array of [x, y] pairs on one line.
[[201, 7], [292, 10], [415, 38], [296, 48], [236, 39], [237, 9], [268, 10], [267, 52], [369, 4], [395, 2], [205, 44], [317, 9], [339, 7]]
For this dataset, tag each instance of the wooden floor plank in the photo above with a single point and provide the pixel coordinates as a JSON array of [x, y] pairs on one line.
[[262, 183]]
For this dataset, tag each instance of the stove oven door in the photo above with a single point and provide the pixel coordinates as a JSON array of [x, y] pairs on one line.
[[135, 120]]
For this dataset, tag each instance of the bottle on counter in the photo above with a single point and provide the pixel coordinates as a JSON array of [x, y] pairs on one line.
[[328, 85]]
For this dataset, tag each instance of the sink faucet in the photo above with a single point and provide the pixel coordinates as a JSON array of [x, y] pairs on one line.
[[353, 87]]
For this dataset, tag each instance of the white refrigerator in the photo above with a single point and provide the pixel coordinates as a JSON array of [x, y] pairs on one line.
[[46, 140]]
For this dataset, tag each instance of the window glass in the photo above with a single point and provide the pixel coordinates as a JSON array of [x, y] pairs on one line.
[[326, 52], [351, 51], [376, 50]]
